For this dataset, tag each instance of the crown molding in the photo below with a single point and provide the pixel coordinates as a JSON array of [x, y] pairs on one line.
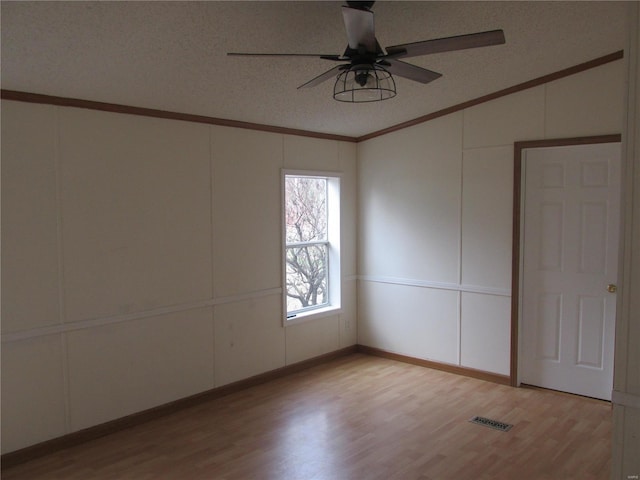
[[150, 112]]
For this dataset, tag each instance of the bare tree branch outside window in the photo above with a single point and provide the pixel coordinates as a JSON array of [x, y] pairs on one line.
[[307, 244]]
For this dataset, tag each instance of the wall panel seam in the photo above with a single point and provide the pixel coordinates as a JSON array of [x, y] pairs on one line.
[[212, 253], [62, 315], [460, 241], [211, 212]]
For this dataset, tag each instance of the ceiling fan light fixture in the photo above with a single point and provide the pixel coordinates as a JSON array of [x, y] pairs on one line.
[[364, 83]]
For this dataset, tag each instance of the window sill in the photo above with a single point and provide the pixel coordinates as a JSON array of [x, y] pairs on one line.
[[312, 315]]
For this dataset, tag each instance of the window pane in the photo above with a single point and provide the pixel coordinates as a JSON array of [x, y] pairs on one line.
[[306, 209], [306, 277]]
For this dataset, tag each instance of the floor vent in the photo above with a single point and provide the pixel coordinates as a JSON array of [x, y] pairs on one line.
[[487, 422]]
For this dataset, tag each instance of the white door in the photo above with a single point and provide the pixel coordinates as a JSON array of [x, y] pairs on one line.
[[570, 242]]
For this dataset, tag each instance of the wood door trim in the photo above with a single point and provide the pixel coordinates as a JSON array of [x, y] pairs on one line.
[[518, 147]]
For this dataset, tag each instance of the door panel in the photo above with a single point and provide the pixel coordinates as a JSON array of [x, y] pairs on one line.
[[551, 236], [570, 242], [591, 323], [548, 327]]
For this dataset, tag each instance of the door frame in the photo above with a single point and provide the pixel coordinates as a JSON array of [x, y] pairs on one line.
[[516, 260]]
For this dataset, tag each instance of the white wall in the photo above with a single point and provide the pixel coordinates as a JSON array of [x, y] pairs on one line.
[[435, 218], [626, 395], [141, 256], [141, 263]]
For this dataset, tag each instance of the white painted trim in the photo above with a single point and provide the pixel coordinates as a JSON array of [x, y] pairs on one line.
[[246, 296], [314, 314], [114, 319], [456, 287], [97, 322], [500, 292], [128, 317], [311, 173], [110, 320], [523, 186], [625, 399]]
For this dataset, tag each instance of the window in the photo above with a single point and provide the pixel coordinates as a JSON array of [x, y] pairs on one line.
[[311, 243]]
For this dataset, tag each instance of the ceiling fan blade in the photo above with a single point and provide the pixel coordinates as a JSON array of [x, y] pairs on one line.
[[359, 26], [412, 72], [336, 58], [325, 76], [448, 44]]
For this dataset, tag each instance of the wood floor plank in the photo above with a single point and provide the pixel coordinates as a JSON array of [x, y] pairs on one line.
[[357, 417]]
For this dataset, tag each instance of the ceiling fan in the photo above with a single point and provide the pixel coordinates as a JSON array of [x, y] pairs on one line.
[[367, 74]]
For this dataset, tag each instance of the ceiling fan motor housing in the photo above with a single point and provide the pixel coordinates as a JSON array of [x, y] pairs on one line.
[[362, 5]]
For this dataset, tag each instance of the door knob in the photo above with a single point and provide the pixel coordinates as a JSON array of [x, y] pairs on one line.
[[611, 288]]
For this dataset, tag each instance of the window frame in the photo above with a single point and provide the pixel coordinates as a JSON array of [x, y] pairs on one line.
[[334, 275]]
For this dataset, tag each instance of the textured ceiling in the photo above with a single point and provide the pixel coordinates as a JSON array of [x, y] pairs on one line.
[[171, 55]]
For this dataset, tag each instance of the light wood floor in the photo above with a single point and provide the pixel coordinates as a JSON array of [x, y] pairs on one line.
[[360, 418]]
